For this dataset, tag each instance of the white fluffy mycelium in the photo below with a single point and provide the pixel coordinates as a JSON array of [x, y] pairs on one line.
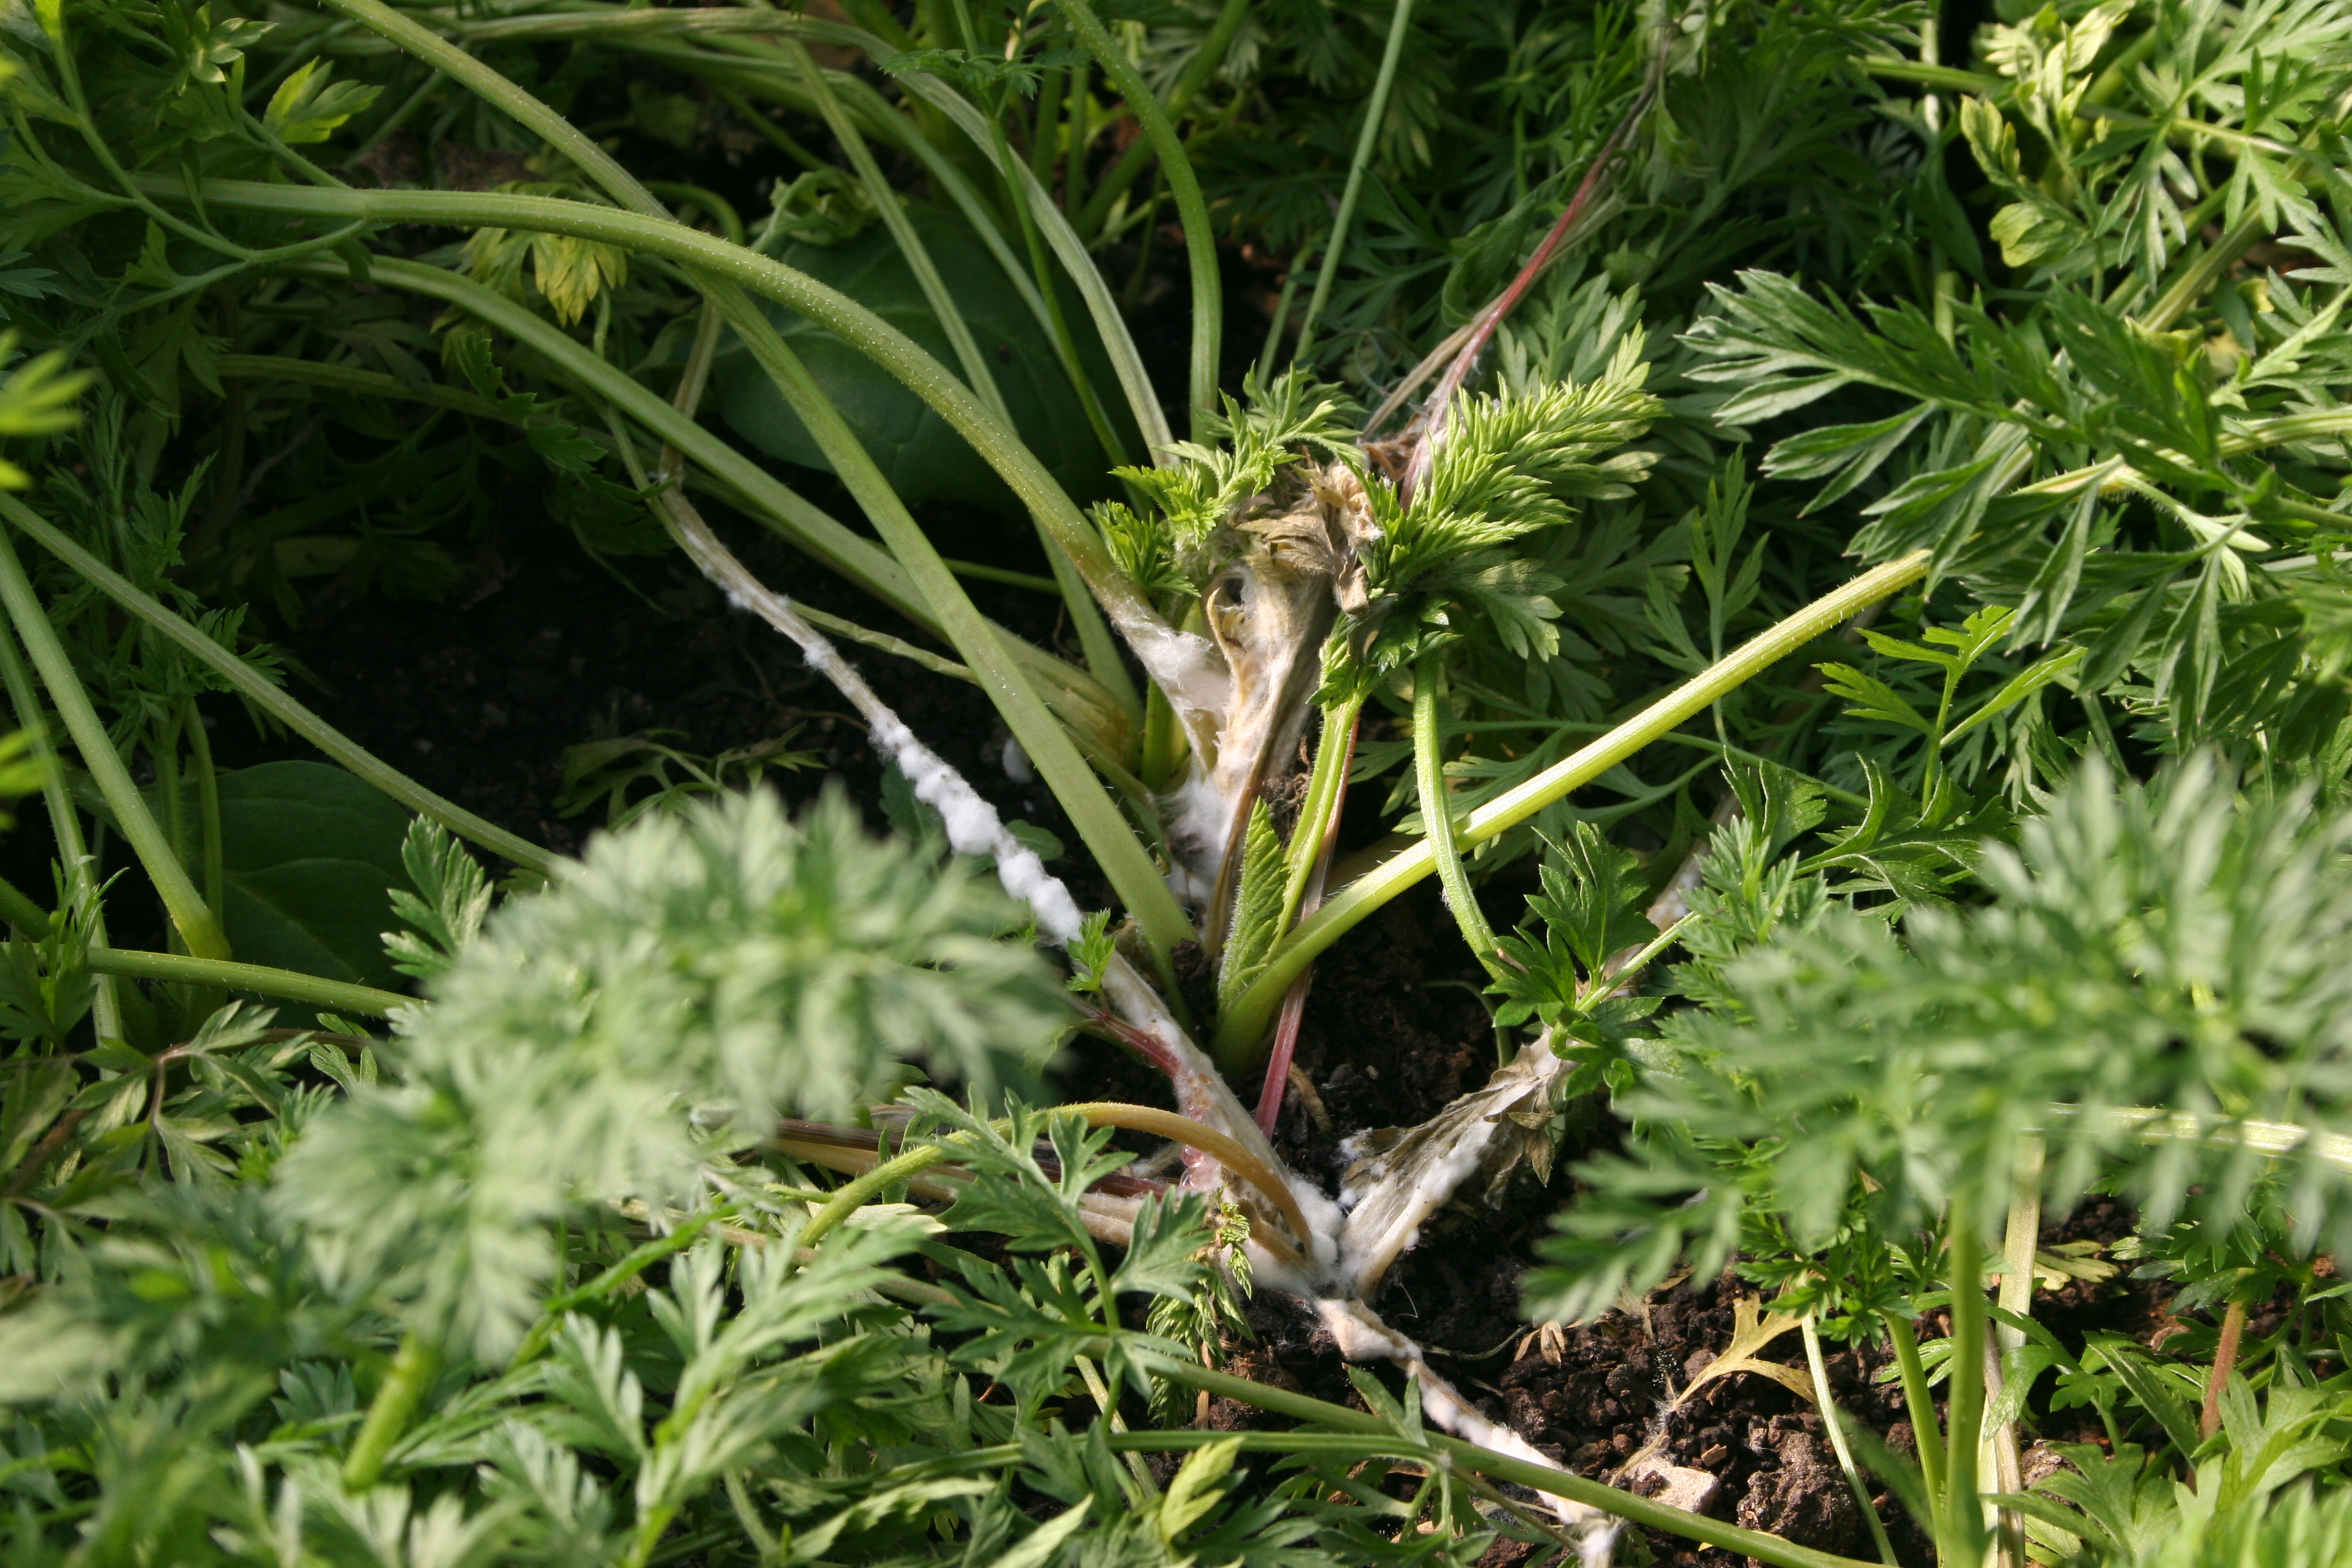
[[1332, 1273]]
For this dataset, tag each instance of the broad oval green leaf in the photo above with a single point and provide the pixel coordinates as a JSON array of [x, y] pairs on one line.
[[310, 856], [922, 457]]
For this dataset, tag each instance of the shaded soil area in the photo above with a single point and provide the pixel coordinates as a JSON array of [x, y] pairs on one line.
[[1624, 1398], [542, 648]]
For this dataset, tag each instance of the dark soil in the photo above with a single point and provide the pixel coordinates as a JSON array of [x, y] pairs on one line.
[[1600, 1397], [542, 649]]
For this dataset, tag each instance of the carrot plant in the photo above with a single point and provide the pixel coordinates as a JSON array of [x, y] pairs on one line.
[[1784, 468]]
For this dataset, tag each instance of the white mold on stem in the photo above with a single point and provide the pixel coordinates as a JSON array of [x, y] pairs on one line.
[[1202, 1094], [1390, 1194], [1291, 570], [1195, 813], [1351, 1243], [1185, 666], [972, 825], [1361, 1336]]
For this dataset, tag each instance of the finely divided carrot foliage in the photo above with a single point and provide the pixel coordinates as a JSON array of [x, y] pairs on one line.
[[1176, 780]]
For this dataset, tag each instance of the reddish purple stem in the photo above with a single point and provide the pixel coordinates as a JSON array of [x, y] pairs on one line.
[[1458, 372], [1133, 1038], [791, 1129]]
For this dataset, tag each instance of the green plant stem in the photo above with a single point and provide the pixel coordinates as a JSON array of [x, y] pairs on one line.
[[1833, 1426], [714, 205], [208, 806], [1375, 112], [1077, 135], [1028, 200], [411, 1376], [1244, 1024], [65, 826], [893, 213], [1164, 746], [986, 574], [1189, 82], [1099, 1392], [765, 1547], [852, 1195], [1192, 211], [850, 631], [784, 141], [1437, 814], [1102, 654], [1647, 1512], [1621, 970], [186, 907], [1033, 207], [1325, 788], [2256, 433], [1045, 122], [1283, 302], [335, 996], [2190, 286], [651, 1528], [1894, 68], [20, 912], [550, 1317], [257, 690], [1918, 1400], [164, 748], [1055, 230], [1961, 1539], [646, 225]]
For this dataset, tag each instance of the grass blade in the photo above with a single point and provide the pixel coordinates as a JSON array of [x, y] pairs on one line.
[[186, 907], [1199, 240], [1375, 112], [263, 694]]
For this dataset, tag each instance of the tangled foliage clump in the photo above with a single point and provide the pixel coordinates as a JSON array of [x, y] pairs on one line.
[[1822, 526], [681, 987]]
